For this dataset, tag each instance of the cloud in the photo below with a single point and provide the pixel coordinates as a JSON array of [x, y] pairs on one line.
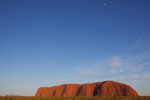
[[127, 64], [116, 61], [127, 67], [133, 78]]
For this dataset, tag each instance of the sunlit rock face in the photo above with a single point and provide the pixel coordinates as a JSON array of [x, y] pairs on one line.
[[106, 88]]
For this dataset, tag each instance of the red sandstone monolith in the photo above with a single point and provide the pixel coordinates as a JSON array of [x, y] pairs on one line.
[[106, 88]]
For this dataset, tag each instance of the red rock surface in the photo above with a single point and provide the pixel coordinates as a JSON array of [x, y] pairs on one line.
[[106, 88]]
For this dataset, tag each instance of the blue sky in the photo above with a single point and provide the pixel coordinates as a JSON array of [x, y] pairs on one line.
[[51, 42]]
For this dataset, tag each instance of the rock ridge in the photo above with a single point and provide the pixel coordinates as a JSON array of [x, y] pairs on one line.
[[106, 88]]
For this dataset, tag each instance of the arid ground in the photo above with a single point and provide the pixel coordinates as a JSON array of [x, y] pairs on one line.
[[77, 98]]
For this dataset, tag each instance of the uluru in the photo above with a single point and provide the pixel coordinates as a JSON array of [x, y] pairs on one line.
[[106, 88]]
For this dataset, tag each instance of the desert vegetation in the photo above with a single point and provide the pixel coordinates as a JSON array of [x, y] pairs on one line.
[[78, 98]]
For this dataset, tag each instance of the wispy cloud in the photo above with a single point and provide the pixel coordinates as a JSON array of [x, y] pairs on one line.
[[106, 68], [133, 78], [116, 61]]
